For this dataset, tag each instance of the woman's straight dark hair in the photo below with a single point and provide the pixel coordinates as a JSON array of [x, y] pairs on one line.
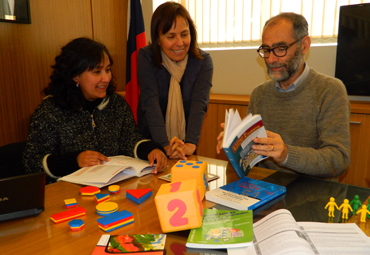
[[162, 20]]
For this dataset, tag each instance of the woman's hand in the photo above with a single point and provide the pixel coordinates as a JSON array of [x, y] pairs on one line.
[[179, 149], [272, 146], [174, 149], [161, 159], [219, 139], [189, 148], [90, 158]]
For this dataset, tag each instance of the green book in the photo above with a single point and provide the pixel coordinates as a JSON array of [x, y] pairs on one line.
[[222, 229]]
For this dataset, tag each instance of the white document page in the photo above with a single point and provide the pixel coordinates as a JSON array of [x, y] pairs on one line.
[[279, 234], [118, 168], [336, 238]]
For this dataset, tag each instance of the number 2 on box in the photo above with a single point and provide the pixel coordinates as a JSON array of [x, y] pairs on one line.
[[177, 219]]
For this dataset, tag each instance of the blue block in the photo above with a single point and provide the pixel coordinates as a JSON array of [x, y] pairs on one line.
[[140, 200], [118, 227], [113, 217], [76, 223]]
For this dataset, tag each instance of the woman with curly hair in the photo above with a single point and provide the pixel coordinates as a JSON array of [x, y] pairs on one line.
[[81, 121]]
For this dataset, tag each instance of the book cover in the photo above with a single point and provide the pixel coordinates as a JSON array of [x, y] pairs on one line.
[[222, 229], [208, 251], [238, 141], [245, 194], [139, 244]]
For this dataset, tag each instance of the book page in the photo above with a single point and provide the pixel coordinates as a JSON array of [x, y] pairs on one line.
[[118, 167], [99, 173], [336, 238], [226, 123], [232, 120], [235, 120], [237, 124], [278, 233], [138, 165], [274, 223], [284, 243]]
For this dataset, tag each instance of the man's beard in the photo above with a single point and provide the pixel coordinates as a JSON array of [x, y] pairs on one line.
[[290, 68]]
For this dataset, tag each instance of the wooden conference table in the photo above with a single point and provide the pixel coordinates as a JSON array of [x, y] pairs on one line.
[[306, 198]]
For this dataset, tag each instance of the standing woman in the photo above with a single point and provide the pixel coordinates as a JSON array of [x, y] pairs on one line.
[[175, 79], [82, 122]]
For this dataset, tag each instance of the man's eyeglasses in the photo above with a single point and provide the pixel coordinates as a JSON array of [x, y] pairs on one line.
[[279, 51]]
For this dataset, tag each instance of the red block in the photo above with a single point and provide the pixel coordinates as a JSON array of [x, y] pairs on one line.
[[68, 215], [138, 193]]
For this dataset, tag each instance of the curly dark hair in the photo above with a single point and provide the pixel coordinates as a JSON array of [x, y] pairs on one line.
[[162, 20], [77, 56]]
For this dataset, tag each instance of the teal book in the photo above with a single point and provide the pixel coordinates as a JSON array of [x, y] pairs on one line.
[[222, 229], [245, 194], [238, 140]]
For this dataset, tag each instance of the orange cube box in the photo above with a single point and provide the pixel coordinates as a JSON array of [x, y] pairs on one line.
[[179, 206], [186, 170]]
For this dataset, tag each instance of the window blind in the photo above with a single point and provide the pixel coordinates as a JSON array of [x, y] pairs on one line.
[[236, 23]]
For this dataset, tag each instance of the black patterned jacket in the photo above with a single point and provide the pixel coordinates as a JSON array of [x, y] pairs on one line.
[[110, 130]]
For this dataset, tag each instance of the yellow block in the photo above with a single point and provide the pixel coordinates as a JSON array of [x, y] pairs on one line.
[[179, 206], [186, 170]]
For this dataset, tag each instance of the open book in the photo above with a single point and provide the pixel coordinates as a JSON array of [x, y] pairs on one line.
[[238, 140], [117, 169], [279, 233]]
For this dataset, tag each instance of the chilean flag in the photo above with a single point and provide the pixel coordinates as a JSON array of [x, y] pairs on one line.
[[136, 40]]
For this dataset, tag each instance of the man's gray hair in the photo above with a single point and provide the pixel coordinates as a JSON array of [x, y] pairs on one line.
[[300, 25]]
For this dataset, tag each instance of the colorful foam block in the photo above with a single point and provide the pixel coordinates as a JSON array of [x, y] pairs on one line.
[[89, 190], [99, 198], [179, 206], [68, 215], [114, 188], [114, 217], [76, 225], [106, 213], [138, 195], [186, 170], [115, 220], [70, 203], [118, 222], [117, 225], [106, 208]]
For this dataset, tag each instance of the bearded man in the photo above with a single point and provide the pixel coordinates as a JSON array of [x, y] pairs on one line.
[[306, 113]]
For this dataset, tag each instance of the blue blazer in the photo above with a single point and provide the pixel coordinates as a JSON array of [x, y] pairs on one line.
[[154, 84]]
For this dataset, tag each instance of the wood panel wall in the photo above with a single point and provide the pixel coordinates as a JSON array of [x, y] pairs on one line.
[[28, 50], [215, 115]]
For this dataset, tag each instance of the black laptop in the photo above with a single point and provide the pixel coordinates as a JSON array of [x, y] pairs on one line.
[[22, 196]]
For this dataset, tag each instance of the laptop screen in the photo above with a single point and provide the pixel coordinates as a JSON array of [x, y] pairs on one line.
[[22, 196]]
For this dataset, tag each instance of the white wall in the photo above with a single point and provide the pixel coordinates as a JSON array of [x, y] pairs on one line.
[[239, 71]]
